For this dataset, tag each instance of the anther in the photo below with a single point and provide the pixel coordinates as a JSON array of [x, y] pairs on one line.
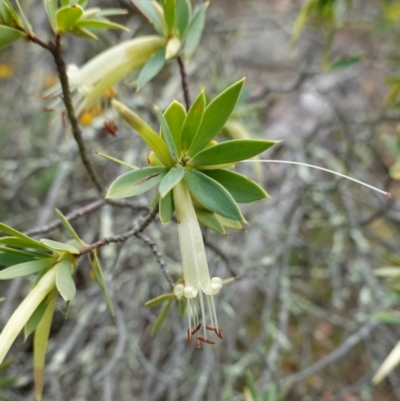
[[189, 338], [196, 329], [203, 340]]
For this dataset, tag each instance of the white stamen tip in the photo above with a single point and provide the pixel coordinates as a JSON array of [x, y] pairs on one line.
[[179, 290], [190, 291], [216, 285]]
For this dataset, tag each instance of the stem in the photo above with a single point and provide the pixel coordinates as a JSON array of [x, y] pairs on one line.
[[121, 237], [185, 85], [76, 131], [387, 194]]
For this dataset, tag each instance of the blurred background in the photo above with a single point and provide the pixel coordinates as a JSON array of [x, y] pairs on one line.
[[308, 318]]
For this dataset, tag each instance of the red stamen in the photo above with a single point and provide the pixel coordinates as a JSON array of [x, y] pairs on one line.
[[196, 329], [203, 340], [189, 338]]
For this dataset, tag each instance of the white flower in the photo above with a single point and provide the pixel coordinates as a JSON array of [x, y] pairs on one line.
[[198, 284], [94, 78]]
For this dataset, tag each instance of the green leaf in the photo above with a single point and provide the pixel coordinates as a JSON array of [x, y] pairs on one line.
[[175, 116], [271, 394], [40, 345], [10, 15], [387, 317], [9, 35], [83, 33], [19, 243], [51, 7], [182, 16], [136, 182], [193, 121], [212, 195], [251, 385], [67, 17], [389, 271], [99, 24], [231, 151], [169, 140], [166, 208], [161, 318], [25, 269], [344, 62], [64, 280], [98, 271], [210, 220], [215, 116], [194, 31], [155, 200], [35, 318], [11, 231], [114, 160], [171, 179], [25, 22], [147, 8], [149, 136], [228, 223], [151, 68], [68, 227], [159, 300], [10, 259], [242, 188], [59, 246], [112, 11], [169, 14]]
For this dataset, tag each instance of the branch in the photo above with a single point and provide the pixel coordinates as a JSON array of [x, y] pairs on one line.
[[185, 85], [121, 237]]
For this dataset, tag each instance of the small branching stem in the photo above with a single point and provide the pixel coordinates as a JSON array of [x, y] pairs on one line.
[[184, 80]]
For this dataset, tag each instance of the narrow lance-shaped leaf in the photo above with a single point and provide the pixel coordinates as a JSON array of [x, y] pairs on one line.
[[231, 151], [51, 9], [169, 140], [83, 33], [194, 31], [161, 318], [25, 269], [193, 121], [210, 220], [20, 243], [175, 116], [59, 246], [33, 243], [242, 188], [136, 182], [149, 136], [40, 345], [228, 223], [147, 8], [215, 116], [64, 280], [169, 13], [100, 24], [151, 68], [117, 161], [171, 179], [68, 227], [25, 21], [159, 300], [35, 319], [212, 195], [166, 208], [182, 16]]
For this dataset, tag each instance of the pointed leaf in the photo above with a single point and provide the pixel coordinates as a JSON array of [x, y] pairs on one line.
[[175, 116], [25, 22], [99, 24], [159, 300], [151, 68], [64, 280], [194, 31], [9, 35], [228, 223], [40, 345], [68, 16], [59, 246], [193, 121], [25, 269], [212, 195], [215, 116], [136, 182], [10, 259], [20, 243], [182, 16], [231, 151], [210, 220], [35, 318], [149, 136], [51, 7], [112, 11], [147, 8], [169, 140], [169, 14], [83, 33], [69, 228], [114, 160], [98, 271], [166, 208], [155, 200], [11, 231], [161, 318], [242, 188], [171, 179]]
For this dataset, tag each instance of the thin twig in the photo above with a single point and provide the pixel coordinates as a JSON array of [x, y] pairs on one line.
[[185, 85], [121, 237], [158, 256]]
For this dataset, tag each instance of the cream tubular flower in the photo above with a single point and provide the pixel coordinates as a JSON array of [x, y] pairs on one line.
[[24, 311], [94, 78], [195, 268]]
